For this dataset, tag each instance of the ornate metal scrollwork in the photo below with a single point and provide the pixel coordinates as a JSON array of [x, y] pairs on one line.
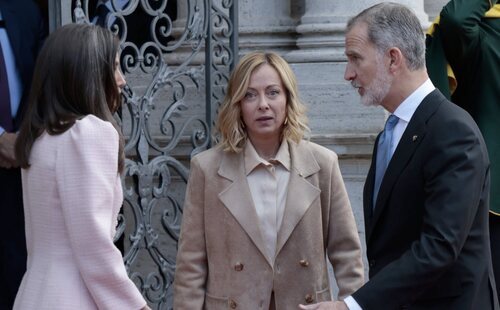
[[170, 51]]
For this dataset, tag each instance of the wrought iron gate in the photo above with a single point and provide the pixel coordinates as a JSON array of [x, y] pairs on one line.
[[176, 56]]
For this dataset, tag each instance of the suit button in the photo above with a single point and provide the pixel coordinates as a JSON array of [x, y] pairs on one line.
[[304, 263], [238, 267], [309, 299], [371, 264], [232, 304]]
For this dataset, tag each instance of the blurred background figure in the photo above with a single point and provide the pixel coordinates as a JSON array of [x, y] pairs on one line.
[[22, 31], [463, 60]]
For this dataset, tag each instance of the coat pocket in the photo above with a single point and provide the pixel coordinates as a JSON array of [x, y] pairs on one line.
[[323, 295], [213, 302]]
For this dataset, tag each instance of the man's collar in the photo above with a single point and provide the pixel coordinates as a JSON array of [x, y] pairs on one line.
[[406, 109]]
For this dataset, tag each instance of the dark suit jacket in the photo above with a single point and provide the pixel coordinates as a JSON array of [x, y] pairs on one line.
[[427, 238], [26, 31]]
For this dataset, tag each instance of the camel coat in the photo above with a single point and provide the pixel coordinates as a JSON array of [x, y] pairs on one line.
[[222, 261]]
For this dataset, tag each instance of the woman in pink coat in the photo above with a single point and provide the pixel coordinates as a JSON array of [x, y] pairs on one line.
[[71, 152]]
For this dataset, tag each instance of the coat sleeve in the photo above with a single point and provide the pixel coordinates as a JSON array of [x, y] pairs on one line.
[[343, 244], [460, 28], [86, 172], [191, 269]]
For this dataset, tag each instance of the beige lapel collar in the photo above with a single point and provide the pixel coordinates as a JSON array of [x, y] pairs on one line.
[[238, 199], [301, 193]]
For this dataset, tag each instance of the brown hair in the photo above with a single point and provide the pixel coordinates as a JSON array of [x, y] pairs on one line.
[[74, 76]]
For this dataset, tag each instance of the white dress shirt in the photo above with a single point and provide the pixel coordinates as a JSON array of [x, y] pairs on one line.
[[407, 108]]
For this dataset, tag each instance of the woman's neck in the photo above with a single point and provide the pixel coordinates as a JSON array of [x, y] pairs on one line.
[[266, 148]]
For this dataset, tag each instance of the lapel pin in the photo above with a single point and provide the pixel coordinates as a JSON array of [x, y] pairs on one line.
[[414, 138]]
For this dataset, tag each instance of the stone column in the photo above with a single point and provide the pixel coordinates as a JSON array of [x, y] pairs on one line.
[[433, 7], [319, 62], [265, 25], [321, 28]]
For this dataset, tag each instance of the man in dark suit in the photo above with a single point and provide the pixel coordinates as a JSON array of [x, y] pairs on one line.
[[21, 35], [427, 192]]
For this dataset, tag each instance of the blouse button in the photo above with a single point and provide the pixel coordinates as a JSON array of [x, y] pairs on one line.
[[238, 267], [309, 299]]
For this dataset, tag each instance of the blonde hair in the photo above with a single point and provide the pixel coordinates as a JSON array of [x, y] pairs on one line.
[[230, 130]]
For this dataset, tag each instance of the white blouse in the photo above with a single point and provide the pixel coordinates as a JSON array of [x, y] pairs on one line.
[[268, 182]]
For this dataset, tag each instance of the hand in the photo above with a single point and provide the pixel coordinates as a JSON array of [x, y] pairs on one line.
[[7, 155], [326, 305]]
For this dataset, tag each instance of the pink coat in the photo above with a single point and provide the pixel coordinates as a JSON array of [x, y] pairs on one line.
[[72, 194]]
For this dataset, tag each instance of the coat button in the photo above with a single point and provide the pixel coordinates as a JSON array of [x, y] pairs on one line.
[[371, 264], [304, 263], [309, 299], [238, 267], [232, 304]]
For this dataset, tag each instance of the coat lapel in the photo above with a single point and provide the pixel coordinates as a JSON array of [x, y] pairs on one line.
[[411, 139], [238, 199], [301, 193]]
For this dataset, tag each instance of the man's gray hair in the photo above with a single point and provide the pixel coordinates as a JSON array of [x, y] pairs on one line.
[[394, 25]]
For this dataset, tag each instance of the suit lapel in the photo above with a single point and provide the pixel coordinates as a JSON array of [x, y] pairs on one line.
[[301, 193], [368, 191], [411, 139], [238, 199]]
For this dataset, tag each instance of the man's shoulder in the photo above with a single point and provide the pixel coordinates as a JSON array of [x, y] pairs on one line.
[[442, 109], [450, 121], [449, 111]]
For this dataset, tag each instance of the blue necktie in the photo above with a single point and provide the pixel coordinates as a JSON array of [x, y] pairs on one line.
[[5, 111], [384, 153]]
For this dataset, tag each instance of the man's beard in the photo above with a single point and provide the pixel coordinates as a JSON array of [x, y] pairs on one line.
[[378, 89]]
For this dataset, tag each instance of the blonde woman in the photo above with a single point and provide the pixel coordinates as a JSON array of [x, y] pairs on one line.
[[264, 207]]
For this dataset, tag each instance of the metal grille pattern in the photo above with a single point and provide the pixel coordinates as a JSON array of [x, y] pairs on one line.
[[171, 51]]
